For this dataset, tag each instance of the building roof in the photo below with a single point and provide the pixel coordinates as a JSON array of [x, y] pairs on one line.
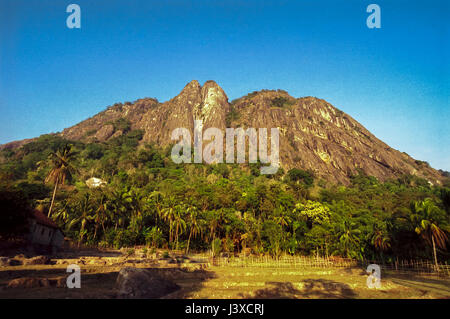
[[44, 220]]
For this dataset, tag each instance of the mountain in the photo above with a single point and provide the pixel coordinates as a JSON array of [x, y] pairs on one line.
[[314, 135]]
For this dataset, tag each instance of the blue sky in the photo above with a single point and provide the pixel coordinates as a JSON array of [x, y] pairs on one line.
[[393, 80]]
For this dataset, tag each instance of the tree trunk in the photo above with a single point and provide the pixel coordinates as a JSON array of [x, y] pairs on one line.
[[53, 198], [83, 223], [176, 237], [434, 253], [189, 240], [170, 235]]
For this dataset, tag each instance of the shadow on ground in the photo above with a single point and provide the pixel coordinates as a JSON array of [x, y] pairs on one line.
[[96, 283], [439, 286], [311, 288]]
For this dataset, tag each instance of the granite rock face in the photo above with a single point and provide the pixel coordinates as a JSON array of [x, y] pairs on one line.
[[314, 135], [136, 283]]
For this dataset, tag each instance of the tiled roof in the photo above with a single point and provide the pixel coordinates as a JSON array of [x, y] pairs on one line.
[[43, 220]]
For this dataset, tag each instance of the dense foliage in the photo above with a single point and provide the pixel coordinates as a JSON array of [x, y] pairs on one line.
[[150, 200]]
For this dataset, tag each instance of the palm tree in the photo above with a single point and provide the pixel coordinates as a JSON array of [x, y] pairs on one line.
[[84, 206], [100, 214], [214, 218], [381, 241], [156, 198], [427, 225], [282, 219], [348, 235], [179, 223], [60, 170], [194, 224], [118, 207], [135, 200], [168, 215]]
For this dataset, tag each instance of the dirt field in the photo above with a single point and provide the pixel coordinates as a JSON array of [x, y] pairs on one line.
[[204, 280]]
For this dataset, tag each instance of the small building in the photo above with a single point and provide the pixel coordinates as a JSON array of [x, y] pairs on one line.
[[95, 182], [45, 232]]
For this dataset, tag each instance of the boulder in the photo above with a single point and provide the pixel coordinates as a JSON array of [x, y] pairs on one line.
[[136, 283], [38, 260], [5, 261], [104, 132], [29, 282]]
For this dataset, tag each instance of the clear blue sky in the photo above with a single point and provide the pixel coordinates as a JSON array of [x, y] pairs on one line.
[[394, 80]]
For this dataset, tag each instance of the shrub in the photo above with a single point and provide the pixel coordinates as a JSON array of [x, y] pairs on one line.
[[282, 101], [130, 252], [122, 124], [93, 151], [216, 247], [298, 175], [232, 115], [91, 132], [13, 214]]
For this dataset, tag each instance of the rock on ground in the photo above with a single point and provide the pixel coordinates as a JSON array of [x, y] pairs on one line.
[[135, 283], [38, 260], [30, 282], [5, 261]]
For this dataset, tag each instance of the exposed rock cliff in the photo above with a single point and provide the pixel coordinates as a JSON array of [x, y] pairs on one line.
[[314, 135]]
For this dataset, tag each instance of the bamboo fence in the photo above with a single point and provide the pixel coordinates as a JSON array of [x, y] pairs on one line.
[[416, 266]]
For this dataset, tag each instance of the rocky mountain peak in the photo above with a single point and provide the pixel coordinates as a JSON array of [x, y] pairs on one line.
[[314, 135], [214, 106]]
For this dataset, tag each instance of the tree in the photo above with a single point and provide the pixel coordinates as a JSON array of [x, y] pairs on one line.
[[178, 222], [381, 241], [14, 213], [313, 212], [429, 217], [213, 220], [195, 226], [118, 206], [348, 236], [100, 215], [84, 207], [297, 175], [61, 169], [282, 218], [168, 215], [156, 198]]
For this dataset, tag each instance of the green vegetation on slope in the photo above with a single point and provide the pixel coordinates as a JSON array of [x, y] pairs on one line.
[[150, 200]]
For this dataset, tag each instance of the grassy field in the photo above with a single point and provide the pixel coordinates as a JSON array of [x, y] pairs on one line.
[[199, 280], [239, 282]]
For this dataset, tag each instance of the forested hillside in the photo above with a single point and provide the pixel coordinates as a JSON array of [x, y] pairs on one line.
[[150, 200]]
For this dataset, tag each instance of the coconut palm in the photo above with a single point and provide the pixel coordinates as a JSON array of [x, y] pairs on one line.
[[118, 206], [168, 215], [85, 208], [178, 222], [61, 169], [427, 219], [100, 215], [135, 200], [381, 241], [156, 198], [195, 226], [213, 219], [348, 235], [282, 219]]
